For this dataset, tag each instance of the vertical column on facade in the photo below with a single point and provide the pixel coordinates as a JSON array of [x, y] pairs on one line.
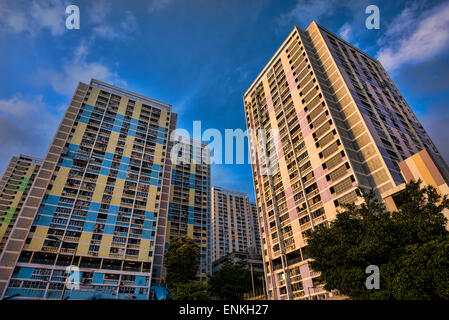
[[161, 227]]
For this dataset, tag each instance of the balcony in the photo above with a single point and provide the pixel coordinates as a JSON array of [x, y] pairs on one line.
[[319, 219], [316, 205], [49, 249], [315, 274], [306, 226], [67, 250]]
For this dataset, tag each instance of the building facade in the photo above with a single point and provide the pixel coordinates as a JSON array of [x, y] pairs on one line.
[[14, 187], [190, 192], [421, 166], [99, 202], [231, 224], [254, 230], [328, 119]]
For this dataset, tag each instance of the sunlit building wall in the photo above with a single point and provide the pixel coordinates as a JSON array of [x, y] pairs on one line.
[[331, 121], [232, 228]]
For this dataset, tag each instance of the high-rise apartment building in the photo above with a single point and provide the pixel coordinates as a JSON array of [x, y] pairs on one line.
[[14, 187], [231, 218], [334, 121], [99, 201], [254, 229], [189, 207]]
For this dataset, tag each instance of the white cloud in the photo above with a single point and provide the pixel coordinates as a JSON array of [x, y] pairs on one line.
[[415, 37], [98, 12], [402, 22], [120, 30], [13, 20], [49, 15], [77, 69], [33, 17], [345, 32], [101, 16], [26, 126], [306, 11], [17, 106], [158, 5]]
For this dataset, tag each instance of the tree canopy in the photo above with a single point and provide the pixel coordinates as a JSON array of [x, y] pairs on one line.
[[181, 260], [230, 282], [409, 246], [192, 290]]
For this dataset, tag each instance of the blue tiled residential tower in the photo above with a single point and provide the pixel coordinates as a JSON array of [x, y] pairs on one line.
[[99, 202]]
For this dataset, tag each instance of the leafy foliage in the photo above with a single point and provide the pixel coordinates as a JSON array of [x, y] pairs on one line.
[[410, 247], [181, 260], [192, 290], [230, 282]]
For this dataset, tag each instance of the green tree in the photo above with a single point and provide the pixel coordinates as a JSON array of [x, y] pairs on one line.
[[409, 246], [192, 290], [181, 260], [230, 282]]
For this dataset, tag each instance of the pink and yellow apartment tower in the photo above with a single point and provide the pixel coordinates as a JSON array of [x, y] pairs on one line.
[[327, 119]]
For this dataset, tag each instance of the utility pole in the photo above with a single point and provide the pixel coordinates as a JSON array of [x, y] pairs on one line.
[[252, 278]]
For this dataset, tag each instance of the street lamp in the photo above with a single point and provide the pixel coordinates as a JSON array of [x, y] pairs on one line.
[[252, 278]]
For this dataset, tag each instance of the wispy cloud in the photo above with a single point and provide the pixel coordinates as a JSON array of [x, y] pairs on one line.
[[49, 15], [106, 26], [33, 17], [306, 11], [415, 36], [26, 126], [327, 12], [77, 69], [158, 5], [345, 32], [99, 10], [121, 30], [16, 106]]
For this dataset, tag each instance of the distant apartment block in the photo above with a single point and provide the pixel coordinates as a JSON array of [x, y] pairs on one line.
[[14, 187], [231, 224], [189, 208], [99, 202], [254, 230], [342, 124]]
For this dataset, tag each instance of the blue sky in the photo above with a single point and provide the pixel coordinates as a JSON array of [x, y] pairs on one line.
[[200, 56]]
